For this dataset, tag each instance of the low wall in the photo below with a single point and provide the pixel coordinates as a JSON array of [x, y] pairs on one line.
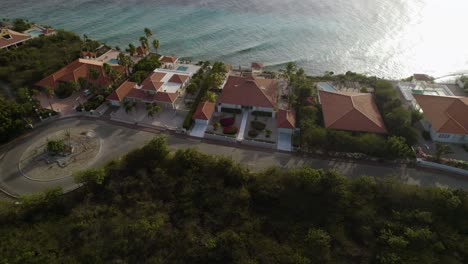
[[433, 165], [219, 137], [259, 143]]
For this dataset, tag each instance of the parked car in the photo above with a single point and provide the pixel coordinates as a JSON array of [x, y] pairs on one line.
[[86, 92]]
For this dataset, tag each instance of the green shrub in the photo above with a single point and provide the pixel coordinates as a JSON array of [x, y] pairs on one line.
[[231, 110], [426, 135], [465, 147], [258, 125], [232, 130], [253, 133], [64, 90], [262, 113], [55, 146]]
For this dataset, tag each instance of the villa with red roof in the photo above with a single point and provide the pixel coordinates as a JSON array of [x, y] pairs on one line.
[[249, 93], [162, 87], [286, 121], [79, 68], [168, 61], [10, 38], [351, 111], [204, 112], [445, 117]]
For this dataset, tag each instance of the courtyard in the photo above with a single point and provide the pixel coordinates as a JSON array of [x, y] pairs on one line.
[[167, 117], [64, 106]]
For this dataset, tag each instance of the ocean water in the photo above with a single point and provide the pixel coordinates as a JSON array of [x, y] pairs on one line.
[[387, 38]]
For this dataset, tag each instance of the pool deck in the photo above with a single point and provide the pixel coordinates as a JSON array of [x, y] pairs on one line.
[[109, 55]]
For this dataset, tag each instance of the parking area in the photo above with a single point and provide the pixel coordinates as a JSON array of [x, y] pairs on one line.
[[64, 106], [169, 118]]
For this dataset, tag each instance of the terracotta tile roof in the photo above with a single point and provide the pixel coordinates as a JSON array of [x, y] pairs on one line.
[[158, 97], [165, 97], [250, 92], [84, 54], [153, 81], [447, 114], [9, 37], [142, 50], [285, 119], [422, 77], [177, 78], [75, 70], [48, 31], [256, 65], [121, 91], [204, 111], [168, 59], [351, 111]]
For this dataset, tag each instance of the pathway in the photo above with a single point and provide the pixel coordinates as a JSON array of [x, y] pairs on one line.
[[240, 135]]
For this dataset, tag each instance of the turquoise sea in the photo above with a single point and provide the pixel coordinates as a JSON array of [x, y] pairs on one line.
[[389, 38]]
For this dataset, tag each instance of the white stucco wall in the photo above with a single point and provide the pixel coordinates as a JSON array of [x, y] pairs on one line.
[[201, 121], [286, 131]]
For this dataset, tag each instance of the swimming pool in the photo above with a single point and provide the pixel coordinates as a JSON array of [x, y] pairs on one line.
[[34, 32], [113, 61], [182, 68], [326, 87]]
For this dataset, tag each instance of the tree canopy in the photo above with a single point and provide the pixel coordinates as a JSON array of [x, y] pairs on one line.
[[153, 206]]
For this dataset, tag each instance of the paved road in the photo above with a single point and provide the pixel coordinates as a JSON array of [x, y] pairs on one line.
[[118, 140]]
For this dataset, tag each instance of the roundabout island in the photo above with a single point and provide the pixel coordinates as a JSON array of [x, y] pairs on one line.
[[59, 155]]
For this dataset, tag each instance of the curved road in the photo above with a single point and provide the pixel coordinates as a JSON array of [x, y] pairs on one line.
[[118, 139]]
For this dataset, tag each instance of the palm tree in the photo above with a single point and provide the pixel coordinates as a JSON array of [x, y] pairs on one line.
[[442, 149], [144, 42], [128, 106], [210, 96], [93, 74], [156, 45], [148, 32], [131, 49], [49, 92], [125, 61], [152, 109]]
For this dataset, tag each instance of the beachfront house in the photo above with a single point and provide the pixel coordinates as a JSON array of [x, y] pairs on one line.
[[168, 62], [351, 112], [10, 38], [249, 93], [204, 112], [445, 117], [257, 68], [77, 69], [161, 87]]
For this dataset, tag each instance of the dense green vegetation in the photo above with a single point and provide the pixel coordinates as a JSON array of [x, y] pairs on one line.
[[40, 57], [31, 62], [144, 67], [204, 82], [186, 207], [310, 118], [20, 25]]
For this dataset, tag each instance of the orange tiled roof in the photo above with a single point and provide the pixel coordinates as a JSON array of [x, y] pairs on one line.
[[256, 65], [421, 77], [122, 91], [75, 70], [285, 119], [447, 114], [142, 50], [177, 78], [168, 59], [250, 91], [48, 31], [351, 111], [204, 111], [153, 81], [9, 37]]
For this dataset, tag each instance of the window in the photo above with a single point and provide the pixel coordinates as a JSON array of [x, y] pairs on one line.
[[444, 135]]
